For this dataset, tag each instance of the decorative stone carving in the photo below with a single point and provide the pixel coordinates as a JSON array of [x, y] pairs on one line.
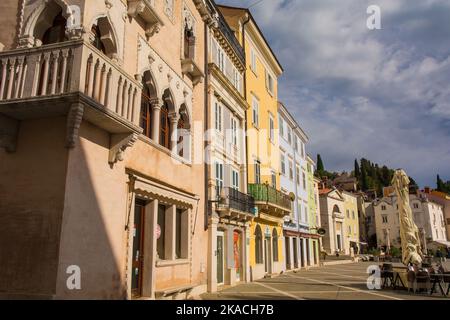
[[168, 8], [188, 18], [74, 119], [119, 143], [151, 59], [152, 30], [145, 9], [108, 4]]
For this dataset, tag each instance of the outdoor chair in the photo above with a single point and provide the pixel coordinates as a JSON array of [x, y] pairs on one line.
[[419, 280], [387, 274]]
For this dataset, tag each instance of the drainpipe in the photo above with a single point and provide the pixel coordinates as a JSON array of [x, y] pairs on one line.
[[245, 97], [206, 113]]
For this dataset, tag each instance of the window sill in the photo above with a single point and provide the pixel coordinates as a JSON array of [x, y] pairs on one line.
[[169, 263]]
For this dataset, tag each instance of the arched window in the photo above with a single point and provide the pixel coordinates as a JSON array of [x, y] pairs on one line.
[[146, 112], [103, 37], [183, 128], [275, 245], [189, 41], [336, 209], [164, 126], [258, 245], [97, 41], [57, 31]]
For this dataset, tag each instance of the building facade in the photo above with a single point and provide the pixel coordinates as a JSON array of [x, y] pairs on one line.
[[232, 210], [444, 200], [314, 211], [293, 181], [261, 80], [427, 215], [332, 217], [352, 243], [96, 89]]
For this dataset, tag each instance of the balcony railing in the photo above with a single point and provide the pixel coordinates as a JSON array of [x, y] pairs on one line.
[[65, 68], [269, 195], [233, 199]]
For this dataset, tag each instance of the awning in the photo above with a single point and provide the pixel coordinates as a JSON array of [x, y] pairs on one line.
[[442, 242]]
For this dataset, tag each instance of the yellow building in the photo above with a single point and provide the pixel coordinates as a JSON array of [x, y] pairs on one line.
[[261, 90], [351, 223]]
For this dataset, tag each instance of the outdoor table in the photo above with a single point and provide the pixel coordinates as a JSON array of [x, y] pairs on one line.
[[398, 281], [399, 271]]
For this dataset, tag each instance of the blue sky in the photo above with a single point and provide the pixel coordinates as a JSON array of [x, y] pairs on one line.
[[382, 94]]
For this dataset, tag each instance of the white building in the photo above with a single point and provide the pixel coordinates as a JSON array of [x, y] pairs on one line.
[[293, 180], [231, 207], [428, 216]]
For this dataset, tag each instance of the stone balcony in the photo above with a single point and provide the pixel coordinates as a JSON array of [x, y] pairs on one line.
[[71, 78]]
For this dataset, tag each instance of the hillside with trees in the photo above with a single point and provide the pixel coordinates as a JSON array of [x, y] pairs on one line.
[[370, 175], [442, 186]]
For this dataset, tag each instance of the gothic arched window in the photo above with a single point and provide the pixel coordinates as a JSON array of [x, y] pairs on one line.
[[164, 126], [57, 32], [146, 113], [97, 41]]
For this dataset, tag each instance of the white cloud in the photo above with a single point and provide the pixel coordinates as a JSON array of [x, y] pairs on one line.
[[383, 94]]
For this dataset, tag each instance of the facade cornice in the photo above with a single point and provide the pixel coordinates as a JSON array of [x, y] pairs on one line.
[[215, 71]]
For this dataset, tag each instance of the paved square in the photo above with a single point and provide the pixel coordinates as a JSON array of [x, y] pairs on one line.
[[339, 282]]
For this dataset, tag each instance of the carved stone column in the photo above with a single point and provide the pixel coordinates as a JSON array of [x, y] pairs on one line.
[[174, 131], [156, 118]]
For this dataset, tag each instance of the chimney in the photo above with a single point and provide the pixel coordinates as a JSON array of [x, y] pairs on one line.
[[427, 190]]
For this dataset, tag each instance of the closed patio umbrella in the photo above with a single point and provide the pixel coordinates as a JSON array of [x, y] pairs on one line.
[[409, 233]]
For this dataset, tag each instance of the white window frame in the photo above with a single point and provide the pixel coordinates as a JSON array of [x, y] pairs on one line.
[[253, 61], [234, 135], [291, 169], [304, 179], [255, 112], [270, 83], [235, 179], [289, 135], [219, 174], [218, 115], [271, 129], [273, 177], [281, 126], [283, 163], [257, 172]]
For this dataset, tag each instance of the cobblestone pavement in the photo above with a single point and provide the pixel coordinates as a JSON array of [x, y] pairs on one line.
[[338, 282]]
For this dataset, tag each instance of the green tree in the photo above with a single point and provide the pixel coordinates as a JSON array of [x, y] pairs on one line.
[[364, 179], [320, 166], [357, 171], [440, 184]]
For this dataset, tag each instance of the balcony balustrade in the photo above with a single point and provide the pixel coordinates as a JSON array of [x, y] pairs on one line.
[[232, 200], [272, 200], [70, 78], [75, 67]]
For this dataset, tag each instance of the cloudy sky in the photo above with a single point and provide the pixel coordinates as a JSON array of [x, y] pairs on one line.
[[379, 94]]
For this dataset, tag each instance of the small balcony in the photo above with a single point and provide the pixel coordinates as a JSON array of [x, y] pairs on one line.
[[270, 200], [234, 204], [48, 81]]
